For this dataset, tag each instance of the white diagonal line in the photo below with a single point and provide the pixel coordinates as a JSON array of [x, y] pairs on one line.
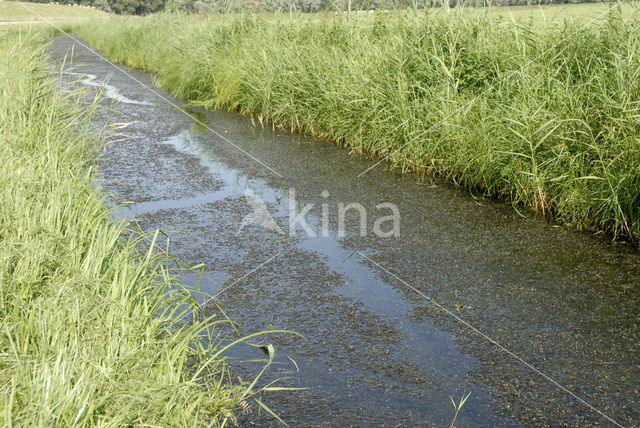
[[212, 297], [246, 275], [269, 260], [492, 341]]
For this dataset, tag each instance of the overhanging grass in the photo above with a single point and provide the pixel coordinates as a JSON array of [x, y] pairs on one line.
[[544, 116], [86, 332]]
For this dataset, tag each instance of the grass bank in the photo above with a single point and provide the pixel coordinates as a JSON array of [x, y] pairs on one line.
[[88, 332], [545, 116]]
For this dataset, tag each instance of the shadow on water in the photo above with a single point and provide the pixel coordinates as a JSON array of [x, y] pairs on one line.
[[377, 353]]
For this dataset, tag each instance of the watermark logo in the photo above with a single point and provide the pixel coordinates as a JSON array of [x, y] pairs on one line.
[[386, 219], [260, 215]]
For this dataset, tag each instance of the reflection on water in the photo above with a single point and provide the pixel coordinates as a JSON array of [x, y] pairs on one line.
[[109, 91]]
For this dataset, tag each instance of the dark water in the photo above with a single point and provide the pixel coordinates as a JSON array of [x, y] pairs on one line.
[[376, 352]]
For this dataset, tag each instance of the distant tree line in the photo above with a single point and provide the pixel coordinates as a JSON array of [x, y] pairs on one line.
[[143, 7]]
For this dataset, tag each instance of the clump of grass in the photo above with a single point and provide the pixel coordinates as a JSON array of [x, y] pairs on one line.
[[88, 323], [545, 116]]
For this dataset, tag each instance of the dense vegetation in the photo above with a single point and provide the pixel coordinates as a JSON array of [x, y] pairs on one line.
[[544, 115], [86, 331]]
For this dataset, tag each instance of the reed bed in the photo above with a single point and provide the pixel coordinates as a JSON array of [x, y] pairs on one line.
[[89, 331], [544, 116]]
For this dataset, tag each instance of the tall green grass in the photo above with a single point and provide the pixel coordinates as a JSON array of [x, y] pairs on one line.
[[547, 117], [88, 322]]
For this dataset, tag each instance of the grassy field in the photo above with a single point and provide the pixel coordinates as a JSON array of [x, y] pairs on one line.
[[544, 116], [88, 322], [13, 11]]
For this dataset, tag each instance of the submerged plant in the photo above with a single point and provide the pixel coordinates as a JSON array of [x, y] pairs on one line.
[[458, 407]]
